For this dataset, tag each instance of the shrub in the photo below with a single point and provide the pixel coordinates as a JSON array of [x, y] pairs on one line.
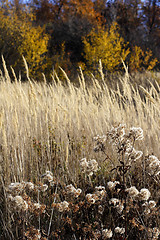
[[140, 60], [106, 45]]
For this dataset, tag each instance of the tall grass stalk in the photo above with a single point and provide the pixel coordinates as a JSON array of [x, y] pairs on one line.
[[63, 118]]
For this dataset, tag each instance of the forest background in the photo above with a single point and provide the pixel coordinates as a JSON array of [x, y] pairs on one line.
[[79, 33]]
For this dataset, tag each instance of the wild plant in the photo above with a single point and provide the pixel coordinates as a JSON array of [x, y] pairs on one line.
[[121, 208]]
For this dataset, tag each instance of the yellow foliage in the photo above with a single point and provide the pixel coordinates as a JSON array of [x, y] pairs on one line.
[[108, 46], [19, 37], [140, 60]]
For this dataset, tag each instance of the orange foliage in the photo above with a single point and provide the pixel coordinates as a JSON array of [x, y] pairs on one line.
[[140, 59]]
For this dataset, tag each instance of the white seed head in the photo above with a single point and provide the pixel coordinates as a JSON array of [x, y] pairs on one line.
[[106, 234], [114, 201], [152, 204], [29, 186], [132, 191], [137, 133], [63, 206], [119, 230], [144, 194]]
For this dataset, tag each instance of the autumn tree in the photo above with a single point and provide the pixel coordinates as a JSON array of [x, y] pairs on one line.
[[141, 60], [107, 46], [19, 37]]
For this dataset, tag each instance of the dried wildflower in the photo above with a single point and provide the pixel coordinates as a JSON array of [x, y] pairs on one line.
[[136, 133], [152, 158], [29, 186], [48, 176], [88, 167], [100, 209], [78, 192], [70, 189], [99, 193], [120, 207], [83, 163], [133, 155], [117, 133], [152, 204], [119, 230], [16, 188], [153, 233], [112, 185], [38, 208], [97, 234], [33, 233], [17, 203], [90, 198], [100, 140], [114, 202], [100, 188], [63, 206], [154, 167], [106, 234], [149, 206], [132, 191], [144, 194], [92, 167]]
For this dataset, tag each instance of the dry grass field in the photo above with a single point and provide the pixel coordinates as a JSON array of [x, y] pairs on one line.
[[47, 131]]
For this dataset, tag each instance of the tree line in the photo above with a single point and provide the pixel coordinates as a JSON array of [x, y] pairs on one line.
[[73, 33]]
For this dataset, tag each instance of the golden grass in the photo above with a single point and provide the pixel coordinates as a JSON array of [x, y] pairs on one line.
[[64, 119]]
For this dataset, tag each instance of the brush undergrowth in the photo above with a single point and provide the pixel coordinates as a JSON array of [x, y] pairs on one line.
[[60, 179]]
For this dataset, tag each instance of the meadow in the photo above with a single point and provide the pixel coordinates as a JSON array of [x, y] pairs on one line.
[[79, 161]]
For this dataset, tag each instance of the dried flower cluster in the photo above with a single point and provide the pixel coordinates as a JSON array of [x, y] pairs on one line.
[[153, 165], [136, 133], [98, 195], [107, 233], [62, 206], [153, 233], [143, 195], [33, 233], [126, 199], [119, 230], [113, 185], [71, 190], [17, 203], [18, 199], [117, 204], [100, 143], [89, 167]]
